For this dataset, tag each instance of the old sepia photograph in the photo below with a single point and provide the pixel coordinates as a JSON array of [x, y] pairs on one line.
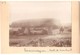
[[40, 24]]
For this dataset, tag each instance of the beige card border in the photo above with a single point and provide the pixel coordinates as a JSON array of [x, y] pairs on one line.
[[4, 9]]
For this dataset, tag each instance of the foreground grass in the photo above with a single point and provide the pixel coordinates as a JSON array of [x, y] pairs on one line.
[[56, 40]]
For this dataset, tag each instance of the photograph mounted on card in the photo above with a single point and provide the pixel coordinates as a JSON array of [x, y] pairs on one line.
[[39, 27]]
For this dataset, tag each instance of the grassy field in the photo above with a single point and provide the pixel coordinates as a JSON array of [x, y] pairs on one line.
[[54, 40]]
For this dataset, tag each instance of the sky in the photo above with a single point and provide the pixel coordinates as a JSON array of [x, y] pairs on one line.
[[61, 11]]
